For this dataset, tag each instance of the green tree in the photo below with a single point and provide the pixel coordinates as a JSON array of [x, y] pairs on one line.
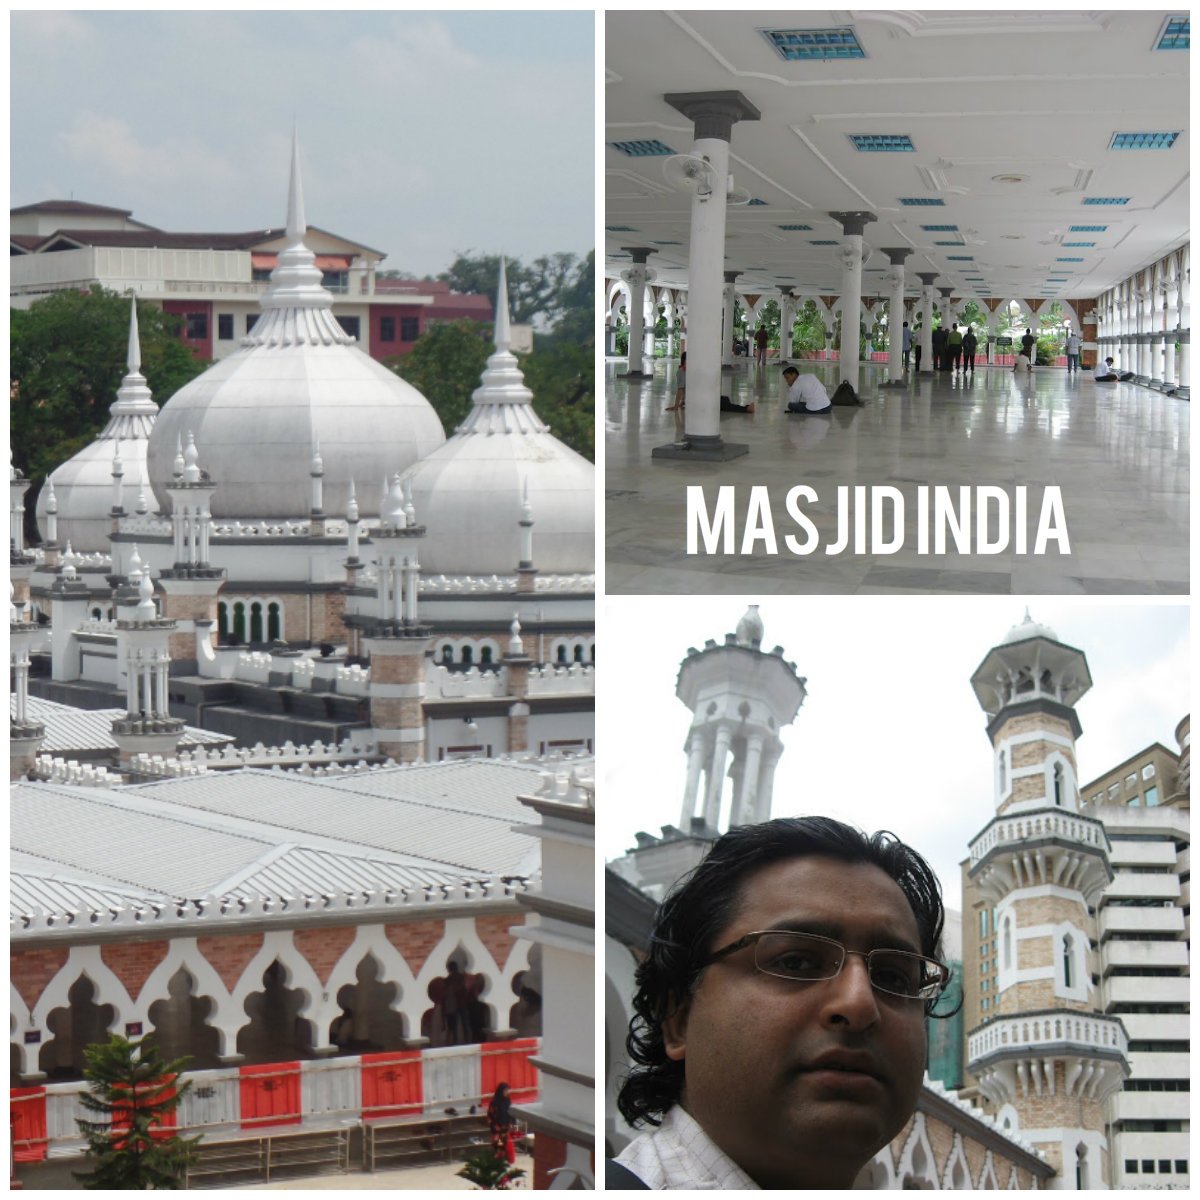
[[490, 1171], [562, 379], [131, 1092], [444, 365], [67, 359], [551, 287]]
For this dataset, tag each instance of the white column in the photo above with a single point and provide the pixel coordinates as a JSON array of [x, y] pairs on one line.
[[1156, 301], [728, 313], [21, 679], [398, 574], [766, 784], [1183, 391], [716, 776], [895, 276], [851, 257], [714, 115], [695, 764], [162, 707], [414, 584], [745, 812], [383, 574], [147, 689], [1143, 326], [787, 318], [635, 276], [926, 278]]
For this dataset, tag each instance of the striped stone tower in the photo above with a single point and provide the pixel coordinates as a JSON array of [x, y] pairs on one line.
[[1045, 1058]]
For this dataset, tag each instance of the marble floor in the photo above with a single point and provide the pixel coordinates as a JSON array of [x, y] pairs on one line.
[[1118, 452]]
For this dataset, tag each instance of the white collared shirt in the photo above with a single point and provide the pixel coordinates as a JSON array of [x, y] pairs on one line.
[[679, 1154], [810, 392]]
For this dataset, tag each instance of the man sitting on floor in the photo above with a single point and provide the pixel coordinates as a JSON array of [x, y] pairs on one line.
[[806, 393], [727, 405], [1107, 373]]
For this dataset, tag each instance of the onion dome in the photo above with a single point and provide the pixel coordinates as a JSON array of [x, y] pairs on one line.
[[82, 488], [501, 466], [297, 380], [1028, 628]]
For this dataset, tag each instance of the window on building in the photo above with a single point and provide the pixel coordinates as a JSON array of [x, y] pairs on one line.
[[1148, 771], [1147, 1166], [349, 325], [447, 654], [1008, 955], [1151, 797], [274, 622], [983, 1004], [1066, 945], [485, 654], [1058, 785], [335, 281], [1131, 1166], [983, 922], [1164, 1166], [225, 326], [251, 321], [1181, 1166], [410, 329], [387, 329], [195, 326], [1131, 781], [1113, 789], [261, 274], [468, 655], [1003, 772]]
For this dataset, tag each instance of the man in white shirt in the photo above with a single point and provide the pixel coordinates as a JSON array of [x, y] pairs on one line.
[[779, 1031], [806, 393], [1071, 349]]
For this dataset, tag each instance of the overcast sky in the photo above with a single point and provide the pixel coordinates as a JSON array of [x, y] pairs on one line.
[[891, 735], [422, 134]]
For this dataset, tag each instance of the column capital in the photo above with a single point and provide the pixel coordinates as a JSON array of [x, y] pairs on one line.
[[896, 254], [927, 277], [853, 222], [639, 253], [786, 292], [946, 292], [731, 276], [714, 113]]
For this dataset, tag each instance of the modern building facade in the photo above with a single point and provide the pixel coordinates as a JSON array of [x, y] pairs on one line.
[[214, 281]]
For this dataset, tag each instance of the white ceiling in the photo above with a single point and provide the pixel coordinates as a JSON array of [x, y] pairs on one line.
[[981, 94]]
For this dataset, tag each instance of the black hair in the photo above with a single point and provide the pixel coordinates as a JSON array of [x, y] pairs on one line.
[[703, 903]]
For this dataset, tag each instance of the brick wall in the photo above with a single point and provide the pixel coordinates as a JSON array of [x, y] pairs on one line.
[[229, 955], [31, 970], [132, 962], [323, 947], [415, 940], [493, 933]]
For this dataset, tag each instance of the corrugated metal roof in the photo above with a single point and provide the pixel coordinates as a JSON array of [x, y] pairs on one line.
[[254, 833], [80, 729]]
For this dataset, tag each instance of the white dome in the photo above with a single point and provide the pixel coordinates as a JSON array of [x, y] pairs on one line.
[[297, 381], [1028, 628], [83, 486], [471, 494]]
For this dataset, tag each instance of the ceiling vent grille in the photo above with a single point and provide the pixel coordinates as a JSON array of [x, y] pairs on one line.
[[651, 148], [807, 45], [921, 202], [881, 142], [1068, 260], [1144, 141], [796, 228], [1176, 34], [1106, 199], [620, 229], [1078, 244], [940, 228], [822, 242], [1087, 229]]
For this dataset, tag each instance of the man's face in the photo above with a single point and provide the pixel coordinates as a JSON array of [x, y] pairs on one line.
[[753, 1044], [790, 377]]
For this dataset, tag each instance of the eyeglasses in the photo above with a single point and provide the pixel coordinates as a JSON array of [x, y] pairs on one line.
[[807, 958]]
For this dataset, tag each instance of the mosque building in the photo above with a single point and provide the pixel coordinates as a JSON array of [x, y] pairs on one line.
[[348, 661], [1070, 953]]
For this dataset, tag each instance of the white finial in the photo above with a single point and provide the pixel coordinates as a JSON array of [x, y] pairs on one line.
[[51, 498], [118, 467], [516, 647], [177, 465], [393, 505], [135, 563], [133, 360], [503, 326], [318, 467], [145, 609], [143, 503], [352, 505], [410, 513], [749, 630], [191, 460], [526, 506], [68, 561], [296, 224]]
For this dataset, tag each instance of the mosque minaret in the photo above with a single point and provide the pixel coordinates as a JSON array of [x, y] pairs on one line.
[[1048, 1059]]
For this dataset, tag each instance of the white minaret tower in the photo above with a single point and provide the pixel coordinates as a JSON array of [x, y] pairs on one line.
[[1048, 1058], [740, 697]]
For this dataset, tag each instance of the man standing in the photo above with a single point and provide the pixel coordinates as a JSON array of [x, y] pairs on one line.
[[1074, 341], [760, 344], [954, 341], [907, 343], [969, 343], [1029, 347], [940, 356], [779, 1036], [806, 393]]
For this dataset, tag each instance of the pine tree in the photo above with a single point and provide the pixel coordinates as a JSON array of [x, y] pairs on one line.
[[132, 1091]]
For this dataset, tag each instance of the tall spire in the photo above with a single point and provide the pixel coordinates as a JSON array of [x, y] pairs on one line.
[[296, 224], [133, 360], [503, 324]]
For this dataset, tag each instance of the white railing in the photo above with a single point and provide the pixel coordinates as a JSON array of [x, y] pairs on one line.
[[1038, 824], [1048, 1032], [472, 683], [576, 679]]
